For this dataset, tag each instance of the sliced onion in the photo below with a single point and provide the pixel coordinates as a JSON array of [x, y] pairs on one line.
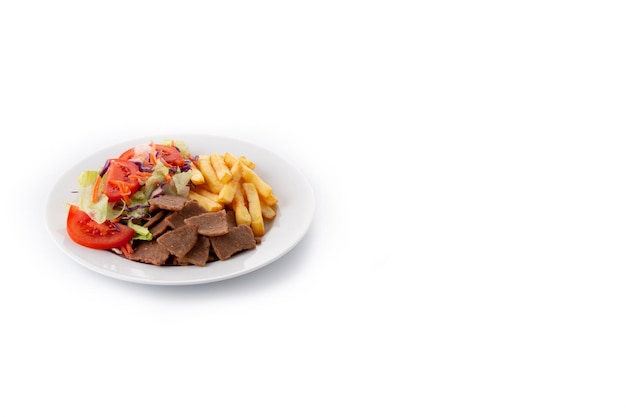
[[105, 168]]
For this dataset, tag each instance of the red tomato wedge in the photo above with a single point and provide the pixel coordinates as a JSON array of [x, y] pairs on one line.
[[127, 154], [121, 179], [170, 155], [85, 231]]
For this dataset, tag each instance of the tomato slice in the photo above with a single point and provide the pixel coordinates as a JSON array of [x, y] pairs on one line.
[[170, 154], [85, 231], [127, 154], [120, 180]]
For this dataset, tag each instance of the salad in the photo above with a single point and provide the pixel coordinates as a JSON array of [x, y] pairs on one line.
[[114, 199]]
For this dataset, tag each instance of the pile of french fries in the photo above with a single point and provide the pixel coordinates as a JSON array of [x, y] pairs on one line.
[[225, 181]]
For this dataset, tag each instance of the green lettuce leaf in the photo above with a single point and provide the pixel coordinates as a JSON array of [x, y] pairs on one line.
[[178, 185], [100, 209], [141, 233]]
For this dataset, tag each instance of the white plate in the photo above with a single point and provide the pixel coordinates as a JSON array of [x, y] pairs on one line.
[[294, 216]]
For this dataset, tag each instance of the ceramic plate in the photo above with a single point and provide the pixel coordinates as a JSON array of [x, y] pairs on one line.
[[294, 216]]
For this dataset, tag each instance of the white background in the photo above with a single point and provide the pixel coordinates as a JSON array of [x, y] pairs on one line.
[[467, 252]]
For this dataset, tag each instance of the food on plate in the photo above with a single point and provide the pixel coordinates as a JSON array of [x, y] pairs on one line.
[[254, 208], [157, 203], [85, 231]]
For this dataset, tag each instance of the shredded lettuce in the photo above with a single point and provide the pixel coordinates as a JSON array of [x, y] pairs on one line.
[[138, 206], [100, 209], [178, 184], [141, 233], [158, 176]]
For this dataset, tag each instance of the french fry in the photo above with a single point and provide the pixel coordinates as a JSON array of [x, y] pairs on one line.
[[270, 199], [242, 215], [205, 202], [220, 167], [247, 162], [196, 175], [210, 176], [230, 160], [268, 212], [263, 189], [228, 191], [254, 207], [206, 193]]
